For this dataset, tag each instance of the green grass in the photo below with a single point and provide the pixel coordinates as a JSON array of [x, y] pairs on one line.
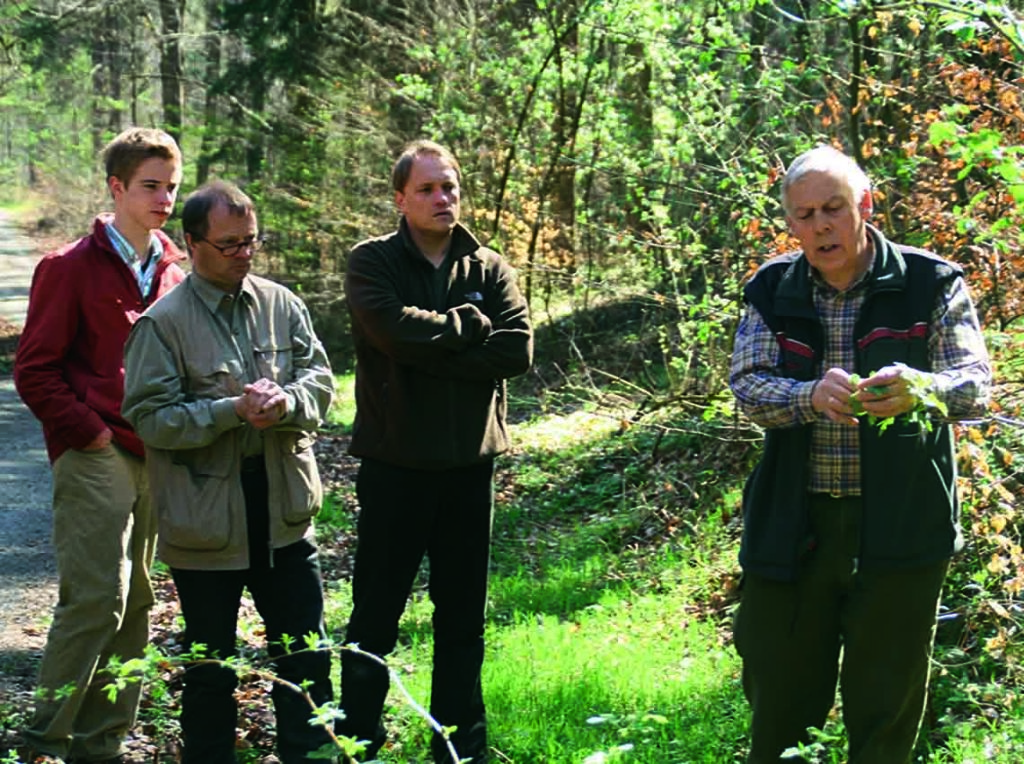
[[633, 672], [595, 648], [625, 672], [18, 207], [612, 588], [343, 410]]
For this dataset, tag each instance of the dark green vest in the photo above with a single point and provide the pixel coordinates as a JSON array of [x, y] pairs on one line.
[[908, 476]]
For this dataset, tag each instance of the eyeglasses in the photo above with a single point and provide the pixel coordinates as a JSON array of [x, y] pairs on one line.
[[230, 250]]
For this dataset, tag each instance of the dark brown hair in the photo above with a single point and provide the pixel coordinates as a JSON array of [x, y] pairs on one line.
[[195, 214]]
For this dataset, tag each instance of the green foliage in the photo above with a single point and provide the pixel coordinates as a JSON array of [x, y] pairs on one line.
[[606, 145], [826, 745], [982, 151], [625, 156], [927, 403], [343, 410]]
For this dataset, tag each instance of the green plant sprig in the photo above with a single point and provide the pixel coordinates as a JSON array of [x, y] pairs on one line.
[[919, 385]]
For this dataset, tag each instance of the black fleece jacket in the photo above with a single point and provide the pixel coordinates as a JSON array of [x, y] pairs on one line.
[[434, 347]]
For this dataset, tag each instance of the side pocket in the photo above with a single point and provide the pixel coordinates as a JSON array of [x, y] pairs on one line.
[[302, 478], [192, 491]]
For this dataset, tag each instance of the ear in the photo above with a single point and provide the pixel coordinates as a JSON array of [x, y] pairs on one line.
[[867, 204], [117, 188], [400, 201], [188, 244]]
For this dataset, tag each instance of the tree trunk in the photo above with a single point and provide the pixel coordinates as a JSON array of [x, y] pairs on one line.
[[100, 89], [213, 46], [856, 76], [172, 87], [636, 94]]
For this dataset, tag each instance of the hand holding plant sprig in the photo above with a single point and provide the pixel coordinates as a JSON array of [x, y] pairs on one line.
[[893, 391]]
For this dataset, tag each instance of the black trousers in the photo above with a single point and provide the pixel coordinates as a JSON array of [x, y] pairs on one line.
[[404, 515], [289, 598], [870, 630]]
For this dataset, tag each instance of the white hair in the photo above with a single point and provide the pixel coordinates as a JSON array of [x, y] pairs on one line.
[[827, 160]]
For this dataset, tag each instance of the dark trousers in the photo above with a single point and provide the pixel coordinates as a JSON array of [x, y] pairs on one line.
[[790, 636], [404, 514], [289, 598]]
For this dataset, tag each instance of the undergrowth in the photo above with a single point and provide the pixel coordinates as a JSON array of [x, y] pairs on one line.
[[613, 582]]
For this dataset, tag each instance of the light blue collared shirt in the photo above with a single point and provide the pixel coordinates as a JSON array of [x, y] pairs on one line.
[[143, 271]]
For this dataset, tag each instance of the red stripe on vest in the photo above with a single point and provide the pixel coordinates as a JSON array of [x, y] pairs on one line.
[[885, 333], [793, 346]]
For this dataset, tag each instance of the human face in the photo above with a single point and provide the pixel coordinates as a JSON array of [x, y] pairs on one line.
[[430, 199], [830, 224], [144, 203], [224, 229]]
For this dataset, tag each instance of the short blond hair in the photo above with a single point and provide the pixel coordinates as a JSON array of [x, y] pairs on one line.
[[123, 155], [403, 165]]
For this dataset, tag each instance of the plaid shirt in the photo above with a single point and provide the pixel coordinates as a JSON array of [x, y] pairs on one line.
[[959, 361], [143, 271]]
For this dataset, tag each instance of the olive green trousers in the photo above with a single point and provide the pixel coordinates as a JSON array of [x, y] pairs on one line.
[[870, 630], [104, 537]]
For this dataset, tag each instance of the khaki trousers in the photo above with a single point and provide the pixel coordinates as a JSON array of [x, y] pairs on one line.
[[791, 636], [104, 536]]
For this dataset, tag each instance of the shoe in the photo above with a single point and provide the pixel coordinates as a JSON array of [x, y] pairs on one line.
[[28, 755]]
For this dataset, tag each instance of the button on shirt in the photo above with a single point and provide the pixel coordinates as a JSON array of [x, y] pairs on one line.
[[231, 317], [143, 270], [835, 448]]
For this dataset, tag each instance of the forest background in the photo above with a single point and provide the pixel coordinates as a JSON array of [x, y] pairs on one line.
[[624, 155]]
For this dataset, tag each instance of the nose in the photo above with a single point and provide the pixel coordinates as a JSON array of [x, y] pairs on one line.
[[822, 222]]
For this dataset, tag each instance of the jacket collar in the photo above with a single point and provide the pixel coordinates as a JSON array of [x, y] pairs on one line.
[[795, 293], [463, 242], [212, 296], [171, 252]]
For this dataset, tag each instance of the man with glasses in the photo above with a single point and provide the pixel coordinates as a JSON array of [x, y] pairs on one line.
[[226, 384]]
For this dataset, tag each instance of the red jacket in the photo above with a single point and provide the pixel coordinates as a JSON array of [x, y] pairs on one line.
[[69, 366]]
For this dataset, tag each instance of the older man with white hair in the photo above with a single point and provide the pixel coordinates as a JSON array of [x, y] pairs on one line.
[[848, 526]]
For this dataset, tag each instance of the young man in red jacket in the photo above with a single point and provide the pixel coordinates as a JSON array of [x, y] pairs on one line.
[[69, 371]]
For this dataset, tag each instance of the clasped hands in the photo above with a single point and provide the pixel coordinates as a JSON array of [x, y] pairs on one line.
[[884, 394], [262, 403]]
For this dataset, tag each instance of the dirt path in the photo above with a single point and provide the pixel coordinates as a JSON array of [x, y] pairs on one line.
[[17, 260], [27, 573]]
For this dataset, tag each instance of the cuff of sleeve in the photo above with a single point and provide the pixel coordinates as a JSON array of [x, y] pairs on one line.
[[224, 414], [289, 411], [938, 385], [86, 432], [804, 409]]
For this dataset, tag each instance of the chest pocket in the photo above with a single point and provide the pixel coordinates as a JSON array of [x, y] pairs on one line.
[[273, 362], [886, 345], [468, 284], [209, 376]]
